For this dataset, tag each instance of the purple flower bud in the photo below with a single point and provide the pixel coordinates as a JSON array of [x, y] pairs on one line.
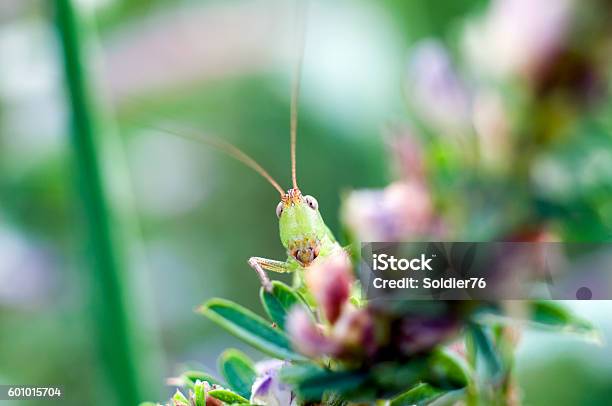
[[435, 91], [330, 282], [268, 389]]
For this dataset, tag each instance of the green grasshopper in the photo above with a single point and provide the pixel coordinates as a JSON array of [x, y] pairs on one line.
[[303, 232]]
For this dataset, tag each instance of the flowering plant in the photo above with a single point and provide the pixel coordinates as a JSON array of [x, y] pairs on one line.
[[330, 347], [472, 164]]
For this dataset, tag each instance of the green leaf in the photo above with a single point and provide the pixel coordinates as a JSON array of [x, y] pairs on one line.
[[250, 328], [447, 370], [311, 382], [333, 399], [279, 302], [550, 314], [191, 377], [293, 374], [482, 353], [227, 396], [200, 394], [544, 314], [441, 369], [179, 399], [421, 394], [394, 378], [238, 371]]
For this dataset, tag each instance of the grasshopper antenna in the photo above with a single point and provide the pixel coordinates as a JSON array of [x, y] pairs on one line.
[[300, 34], [228, 149]]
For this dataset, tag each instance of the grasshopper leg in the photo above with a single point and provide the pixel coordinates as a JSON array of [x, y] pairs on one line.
[[261, 265]]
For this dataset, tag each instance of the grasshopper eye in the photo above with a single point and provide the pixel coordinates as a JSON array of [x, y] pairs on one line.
[[312, 202], [279, 209]]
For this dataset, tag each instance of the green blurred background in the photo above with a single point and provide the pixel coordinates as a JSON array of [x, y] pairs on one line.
[[188, 217]]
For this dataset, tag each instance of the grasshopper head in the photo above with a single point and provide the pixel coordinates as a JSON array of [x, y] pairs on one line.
[[301, 226]]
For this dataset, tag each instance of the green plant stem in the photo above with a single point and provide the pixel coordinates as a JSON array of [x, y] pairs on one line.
[[115, 336]]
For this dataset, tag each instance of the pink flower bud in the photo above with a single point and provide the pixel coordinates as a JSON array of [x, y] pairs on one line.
[[330, 282], [397, 212], [518, 37], [354, 332], [306, 335], [435, 90]]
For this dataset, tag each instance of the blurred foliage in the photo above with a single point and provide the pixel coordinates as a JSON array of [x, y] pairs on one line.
[[201, 251]]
